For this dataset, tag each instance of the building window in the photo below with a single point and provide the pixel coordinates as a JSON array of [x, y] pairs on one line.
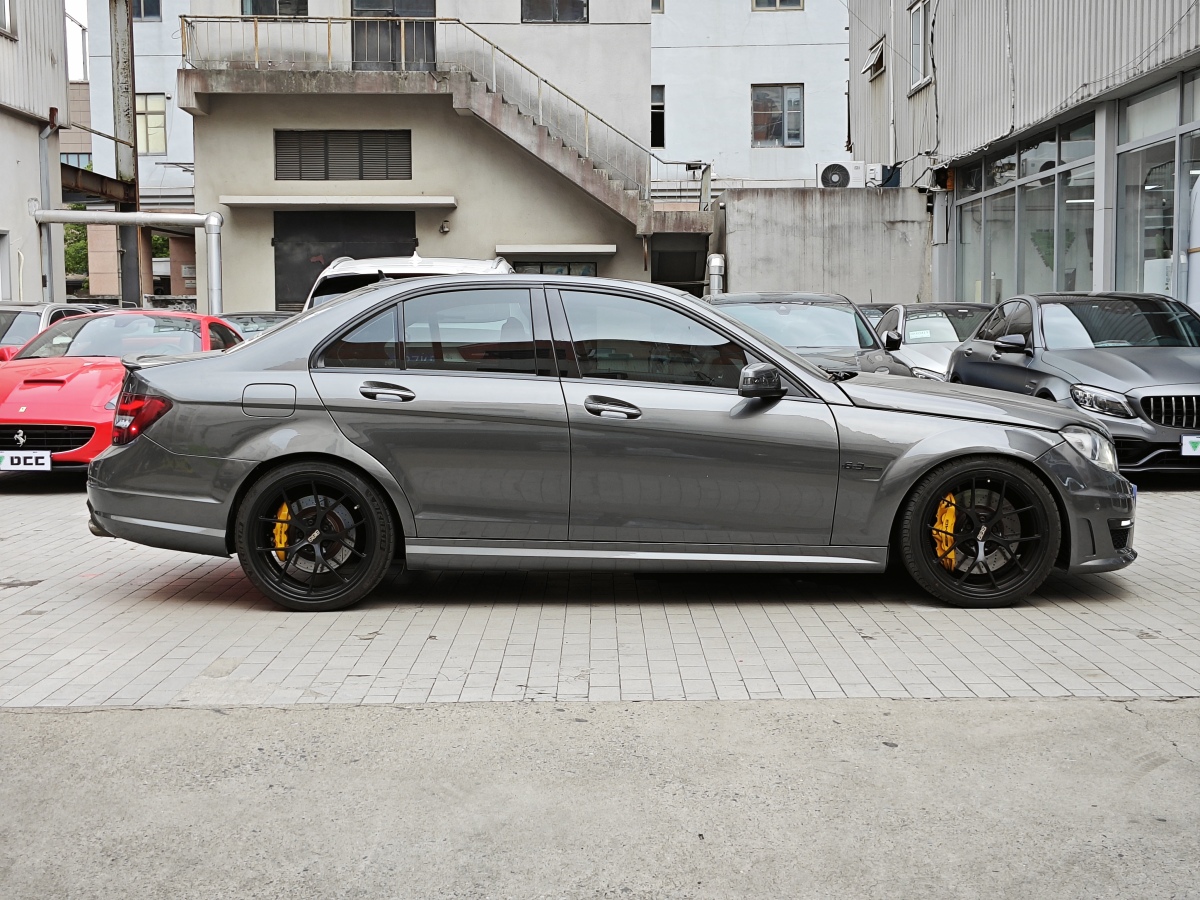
[[562, 11], [777, 115], [343, 155], [147, 10], [151, 111], [82, 160], [777, 4], [658, 116], [875, 63], [918, 20], [562, 267], [273, 7], [656, 6], [6, 21]]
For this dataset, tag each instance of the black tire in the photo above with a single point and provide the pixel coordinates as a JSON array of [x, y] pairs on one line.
[[314, 536], [1003, 533]]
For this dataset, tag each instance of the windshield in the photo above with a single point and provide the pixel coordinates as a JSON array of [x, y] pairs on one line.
[[1098, 323], [941, 326], [805, 326], [788, 355], [17, 327], [116, 335]]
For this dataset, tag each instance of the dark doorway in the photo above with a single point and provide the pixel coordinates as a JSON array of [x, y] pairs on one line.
[[306, 242], [391, 46]]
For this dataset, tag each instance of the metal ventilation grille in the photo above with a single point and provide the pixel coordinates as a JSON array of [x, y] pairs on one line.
[[343, 155], [1181, 411]]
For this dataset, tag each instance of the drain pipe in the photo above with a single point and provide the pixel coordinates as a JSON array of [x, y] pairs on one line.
[[210, 222], [716, 273], [44, 233]]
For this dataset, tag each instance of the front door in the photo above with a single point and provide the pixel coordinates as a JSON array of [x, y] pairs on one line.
[[663, 448], [443, 390], [306, 242], [387, 45]]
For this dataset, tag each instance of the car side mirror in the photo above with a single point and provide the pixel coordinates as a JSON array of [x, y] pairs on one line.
[[892, 340], [761, 380], [7, 353], [1010, 343]]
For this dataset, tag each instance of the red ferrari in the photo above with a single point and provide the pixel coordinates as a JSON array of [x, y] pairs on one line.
[[58, 394]]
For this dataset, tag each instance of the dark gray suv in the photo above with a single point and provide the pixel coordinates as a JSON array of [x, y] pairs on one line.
[[530, 422]]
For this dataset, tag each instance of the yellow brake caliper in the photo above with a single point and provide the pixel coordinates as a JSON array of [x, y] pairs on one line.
[[281, 532], [943, 533]]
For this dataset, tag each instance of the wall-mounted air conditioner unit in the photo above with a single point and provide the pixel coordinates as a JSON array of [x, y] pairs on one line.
[[842, 175]]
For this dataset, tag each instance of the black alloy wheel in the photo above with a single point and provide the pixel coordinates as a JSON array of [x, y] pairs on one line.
[[314, 537], [980, 533]]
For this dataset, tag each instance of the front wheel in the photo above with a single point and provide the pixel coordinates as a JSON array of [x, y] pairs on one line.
[[314, 537], [980, 533]]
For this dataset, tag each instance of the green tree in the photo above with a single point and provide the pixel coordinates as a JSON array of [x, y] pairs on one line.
[[75, 247], [161, 245]]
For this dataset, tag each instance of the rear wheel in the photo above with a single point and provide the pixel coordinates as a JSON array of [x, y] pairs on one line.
[[314, 536], [980, 532]]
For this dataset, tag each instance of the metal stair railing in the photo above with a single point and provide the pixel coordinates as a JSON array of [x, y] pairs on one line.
[[430, 45]]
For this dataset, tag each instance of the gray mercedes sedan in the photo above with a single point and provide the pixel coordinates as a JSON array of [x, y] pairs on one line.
[[538, 422]]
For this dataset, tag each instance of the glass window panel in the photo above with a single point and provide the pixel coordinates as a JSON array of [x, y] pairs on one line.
[[970, 252], [1076, 224], [993, 328], [572, 10], [1078, 139], [1189, 222], [635, 340], [1020, 321], [1037, 236], [537, 10], [1000, 168], [1191, 97], [1150, 112], [372, 345], [969, 180], [1000, 213], [917, 43], [1146, 218], [1039, 155], [470, 331], [794, 115], [767, 116], [583, 268]]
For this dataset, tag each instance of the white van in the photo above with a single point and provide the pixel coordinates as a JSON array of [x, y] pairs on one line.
[[347, 274]]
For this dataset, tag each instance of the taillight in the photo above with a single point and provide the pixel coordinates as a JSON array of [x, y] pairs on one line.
[[136, 413]]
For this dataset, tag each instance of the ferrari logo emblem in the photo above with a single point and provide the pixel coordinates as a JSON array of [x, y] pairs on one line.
[[20, 438]]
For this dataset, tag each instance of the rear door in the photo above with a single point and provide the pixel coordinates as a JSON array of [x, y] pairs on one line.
[[445, 390], [664, 450]]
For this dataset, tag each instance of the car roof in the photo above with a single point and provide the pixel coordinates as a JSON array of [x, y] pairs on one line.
[[778, 297], [434, 265], [1091, 295], [920, 306], [258, 312]]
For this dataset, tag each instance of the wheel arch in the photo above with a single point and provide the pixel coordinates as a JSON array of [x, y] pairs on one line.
[[269, 465], [1064, 548]]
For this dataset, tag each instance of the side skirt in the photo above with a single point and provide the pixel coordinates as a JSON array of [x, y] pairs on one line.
[[617, 557]]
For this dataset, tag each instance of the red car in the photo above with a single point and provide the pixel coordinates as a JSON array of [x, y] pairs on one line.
[[59, 392]]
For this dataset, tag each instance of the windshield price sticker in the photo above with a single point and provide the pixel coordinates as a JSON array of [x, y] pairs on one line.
[[1191, 445], [914, 335], [33, 460]]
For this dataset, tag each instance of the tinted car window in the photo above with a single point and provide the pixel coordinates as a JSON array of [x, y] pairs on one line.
[[221, 338], [372, 345], [116, 335], [17, 327], [806, 325], [635, 340], [993, 328], [940, 326], [1082, 324], [488, 330], [1020, 321]]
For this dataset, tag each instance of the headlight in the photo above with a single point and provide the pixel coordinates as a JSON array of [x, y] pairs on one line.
[[1095, 399], [1092, 446], [928, 374]]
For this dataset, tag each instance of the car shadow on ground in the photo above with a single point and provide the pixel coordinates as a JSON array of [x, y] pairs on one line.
[[70, 481]]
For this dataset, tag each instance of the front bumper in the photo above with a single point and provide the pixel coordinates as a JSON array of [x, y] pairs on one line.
[[73, 458], [1100, 513], [1144, 445]]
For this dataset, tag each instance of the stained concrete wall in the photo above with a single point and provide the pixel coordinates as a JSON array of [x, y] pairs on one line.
[[505, 194], [20, 182], [871, 245]]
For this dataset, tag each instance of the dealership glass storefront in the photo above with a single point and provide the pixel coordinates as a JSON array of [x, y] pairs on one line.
[[1027, 213]]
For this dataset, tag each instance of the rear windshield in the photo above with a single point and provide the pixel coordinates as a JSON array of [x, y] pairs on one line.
[[941, 326], [116, 335], [806, 325], [1088, 323], [17, 327]]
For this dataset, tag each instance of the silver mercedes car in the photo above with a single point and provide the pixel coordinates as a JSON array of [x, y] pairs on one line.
[[539, 422]]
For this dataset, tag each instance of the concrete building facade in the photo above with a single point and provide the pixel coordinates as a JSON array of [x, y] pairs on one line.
[[1060, 142], [33, 97], [757, 88]]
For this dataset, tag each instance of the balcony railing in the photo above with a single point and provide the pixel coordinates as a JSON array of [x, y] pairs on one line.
[[281, 43]]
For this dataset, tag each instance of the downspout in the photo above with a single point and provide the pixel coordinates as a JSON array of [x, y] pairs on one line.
[[44, 235], [212, 237]]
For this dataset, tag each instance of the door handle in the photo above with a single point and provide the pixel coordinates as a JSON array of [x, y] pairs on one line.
[[995, 357], [968, 351], [608, 408], [388, 393]]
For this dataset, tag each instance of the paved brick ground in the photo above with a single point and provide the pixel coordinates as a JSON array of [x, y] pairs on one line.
[[91, 622]]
